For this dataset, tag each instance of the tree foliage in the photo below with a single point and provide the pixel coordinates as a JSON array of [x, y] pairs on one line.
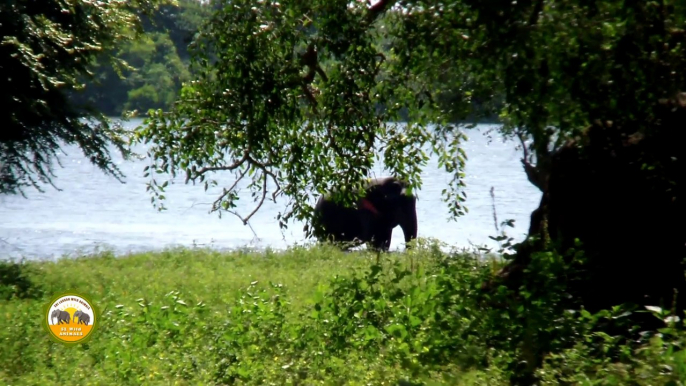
[[288, 92], [286, 96], [559, 66], [46, 48]]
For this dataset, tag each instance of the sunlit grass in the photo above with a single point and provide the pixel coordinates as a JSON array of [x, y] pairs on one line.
[[119, 285], [201, 274], [301, 316]]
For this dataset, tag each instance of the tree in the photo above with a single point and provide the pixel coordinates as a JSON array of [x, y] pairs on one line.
[[286, 89], [159, 73], [180, 21], [286, 95], [157, 63], [46, 48], [296, 97]]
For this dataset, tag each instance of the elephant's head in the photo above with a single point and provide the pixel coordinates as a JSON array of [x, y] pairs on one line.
[[395, 202], [55, 314], [81, 315]]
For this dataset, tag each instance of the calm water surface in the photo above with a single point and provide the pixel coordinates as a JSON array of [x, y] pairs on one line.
[[94, 211]]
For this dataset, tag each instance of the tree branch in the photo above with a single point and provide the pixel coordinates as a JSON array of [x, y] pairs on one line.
[[264, 195], [533, 174], [310, 59], [264, 167], [378, 66], [233, 166], [524, 148], [276, 182], [216, 204], [533, 18]]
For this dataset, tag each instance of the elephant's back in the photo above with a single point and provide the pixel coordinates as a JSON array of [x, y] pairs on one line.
[[326, 204], [333, 215]]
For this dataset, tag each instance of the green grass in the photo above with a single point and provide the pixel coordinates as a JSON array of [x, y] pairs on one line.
[[306, 316]]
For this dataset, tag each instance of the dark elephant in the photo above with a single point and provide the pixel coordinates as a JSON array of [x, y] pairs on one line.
[[62, 316], [84, 318], [387, 204]]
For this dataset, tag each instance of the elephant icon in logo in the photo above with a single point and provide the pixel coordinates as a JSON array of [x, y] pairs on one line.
[[62, 316], [84, 318]]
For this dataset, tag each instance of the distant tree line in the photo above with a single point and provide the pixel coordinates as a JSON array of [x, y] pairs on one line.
[[158, 63]]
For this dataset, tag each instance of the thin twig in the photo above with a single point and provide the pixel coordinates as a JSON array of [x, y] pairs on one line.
[[264, 195], [253, 231], [259, 205], [261, 165], [276, 182], [265, 170], [196, 203], [495, 217], [217, 202]]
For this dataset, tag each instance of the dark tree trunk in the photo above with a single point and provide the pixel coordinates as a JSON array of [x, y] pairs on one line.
[[616, 189]]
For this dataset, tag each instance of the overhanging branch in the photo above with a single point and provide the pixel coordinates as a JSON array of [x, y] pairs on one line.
[[217, 203], [233, 166], [259, 205]]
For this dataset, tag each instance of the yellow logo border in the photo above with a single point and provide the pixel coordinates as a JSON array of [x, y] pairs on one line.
[[46, 312]]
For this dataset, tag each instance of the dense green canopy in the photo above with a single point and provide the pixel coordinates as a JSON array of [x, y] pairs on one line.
[[47, 48], [296, 96], [288, 95]]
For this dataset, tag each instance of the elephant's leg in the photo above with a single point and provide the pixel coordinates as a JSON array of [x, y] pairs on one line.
[[367, 229], [382, 238], [387, 239]]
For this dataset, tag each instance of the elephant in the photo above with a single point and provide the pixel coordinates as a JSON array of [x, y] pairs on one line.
[[62, 316], [386, 204], [84, 318]]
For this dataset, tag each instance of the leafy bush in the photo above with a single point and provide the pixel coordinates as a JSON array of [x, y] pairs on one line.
[[16, 283], [316, 316]]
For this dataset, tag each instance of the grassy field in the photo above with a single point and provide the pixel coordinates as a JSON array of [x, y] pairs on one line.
[[306, 316]]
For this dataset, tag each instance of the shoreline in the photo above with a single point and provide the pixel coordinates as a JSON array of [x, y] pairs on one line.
[[110, 251]]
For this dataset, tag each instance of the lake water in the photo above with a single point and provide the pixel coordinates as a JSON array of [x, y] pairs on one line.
[[94, 211]]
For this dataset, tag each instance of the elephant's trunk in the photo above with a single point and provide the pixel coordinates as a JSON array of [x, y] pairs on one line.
[[409, 221]]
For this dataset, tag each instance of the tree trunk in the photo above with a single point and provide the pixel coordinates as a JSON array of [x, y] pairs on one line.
[[617, 191]]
